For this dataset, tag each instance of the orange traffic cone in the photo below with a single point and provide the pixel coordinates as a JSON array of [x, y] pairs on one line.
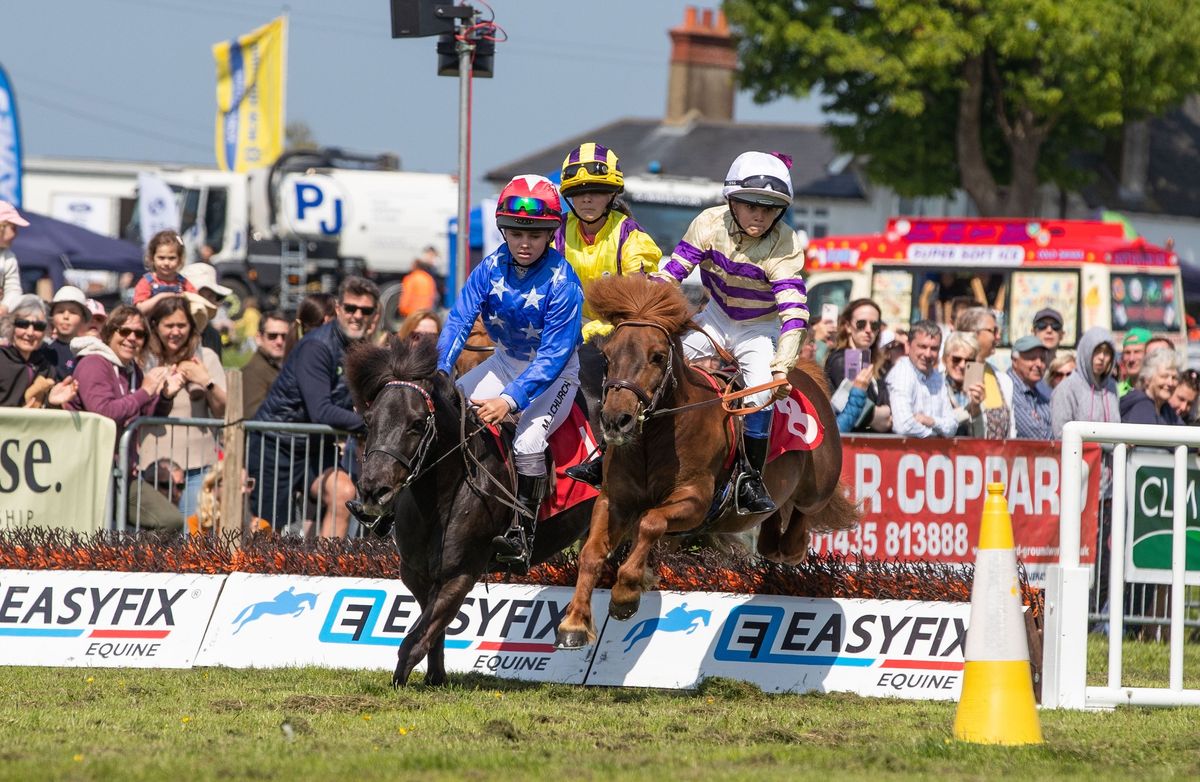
[[996, 705]]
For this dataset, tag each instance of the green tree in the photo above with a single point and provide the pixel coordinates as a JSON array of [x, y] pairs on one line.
[[988, 95], [298, 135]]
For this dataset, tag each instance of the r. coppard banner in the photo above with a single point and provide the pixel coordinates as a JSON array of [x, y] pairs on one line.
[[55, 468], [250, 97], [923, 499]]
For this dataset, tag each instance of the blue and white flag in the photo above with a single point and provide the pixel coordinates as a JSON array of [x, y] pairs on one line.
[[10, 144], [157, 208]]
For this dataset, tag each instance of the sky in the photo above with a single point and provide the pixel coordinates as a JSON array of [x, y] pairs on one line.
[[135, 79]]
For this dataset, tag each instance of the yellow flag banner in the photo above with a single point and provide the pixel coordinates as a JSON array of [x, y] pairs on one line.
[[250, 95], [55, 468]]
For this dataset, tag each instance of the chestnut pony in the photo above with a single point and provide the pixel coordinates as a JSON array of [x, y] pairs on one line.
[[427, 459], [663, 466]]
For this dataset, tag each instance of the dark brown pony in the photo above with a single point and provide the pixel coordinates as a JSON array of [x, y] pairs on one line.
[[662, 470], [428, 462]]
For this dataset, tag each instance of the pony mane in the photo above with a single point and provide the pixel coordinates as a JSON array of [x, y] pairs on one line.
[[636, 297], [369, 367]]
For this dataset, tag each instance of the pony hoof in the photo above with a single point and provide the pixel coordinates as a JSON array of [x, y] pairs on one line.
[[571, 639], [398, 680], [622, 611]]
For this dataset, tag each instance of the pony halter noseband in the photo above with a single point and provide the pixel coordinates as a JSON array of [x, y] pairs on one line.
[[414, 464], [649, 402]]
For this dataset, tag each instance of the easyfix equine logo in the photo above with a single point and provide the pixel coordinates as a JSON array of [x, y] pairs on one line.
[[774, 634], [514, 633], [127, 620], [678, 620], [288, 602]]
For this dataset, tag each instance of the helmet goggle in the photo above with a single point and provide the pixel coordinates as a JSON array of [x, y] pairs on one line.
[[530, 207], [593, 167], [761, 182]]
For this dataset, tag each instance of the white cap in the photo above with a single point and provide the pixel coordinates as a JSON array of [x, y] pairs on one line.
[[204, 275], [886, 338], [69, 294]]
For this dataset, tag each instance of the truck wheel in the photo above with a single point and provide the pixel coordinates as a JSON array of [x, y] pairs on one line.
[[236, 300], [389, 303]]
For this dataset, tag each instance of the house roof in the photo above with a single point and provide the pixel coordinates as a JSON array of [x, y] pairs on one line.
[[704, 149]]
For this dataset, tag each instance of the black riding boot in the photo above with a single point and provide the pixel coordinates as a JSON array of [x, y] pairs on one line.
[[590, 472], [379, 526], [753, 496], [514, 547]]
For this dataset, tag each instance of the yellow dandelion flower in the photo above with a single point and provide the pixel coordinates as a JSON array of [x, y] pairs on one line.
[[186, 720], [78, 758], [91, 679], [366, 717], [402, 731]]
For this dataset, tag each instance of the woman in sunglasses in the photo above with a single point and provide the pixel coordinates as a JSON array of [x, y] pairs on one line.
[[599, 237], [751, 266], [112, 383], [860, 396], [27, 366], [531, 303]]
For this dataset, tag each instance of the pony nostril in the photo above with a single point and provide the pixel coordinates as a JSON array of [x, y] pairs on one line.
[[624, 421]]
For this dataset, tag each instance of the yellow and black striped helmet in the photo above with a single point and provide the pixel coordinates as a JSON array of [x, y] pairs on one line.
[[591, 168]]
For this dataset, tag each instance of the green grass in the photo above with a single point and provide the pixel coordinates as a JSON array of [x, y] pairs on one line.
[[323, 724]]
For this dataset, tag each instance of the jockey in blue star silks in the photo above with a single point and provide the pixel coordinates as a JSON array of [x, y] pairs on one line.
[[531, 303]]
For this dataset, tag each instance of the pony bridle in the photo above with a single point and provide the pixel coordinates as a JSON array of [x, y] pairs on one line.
[[414, 464], [649, 402]]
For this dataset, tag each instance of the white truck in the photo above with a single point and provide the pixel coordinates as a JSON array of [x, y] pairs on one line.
[[274, 233]]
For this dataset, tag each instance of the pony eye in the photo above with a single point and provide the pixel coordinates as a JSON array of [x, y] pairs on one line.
[[658, 358]]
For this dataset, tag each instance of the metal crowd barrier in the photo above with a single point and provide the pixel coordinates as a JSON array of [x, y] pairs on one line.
[[298, 508]]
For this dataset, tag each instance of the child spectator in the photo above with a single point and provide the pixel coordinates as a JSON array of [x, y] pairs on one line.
[[164, 259], [68, 314]]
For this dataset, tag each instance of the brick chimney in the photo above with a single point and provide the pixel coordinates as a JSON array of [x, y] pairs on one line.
[[703, 61]]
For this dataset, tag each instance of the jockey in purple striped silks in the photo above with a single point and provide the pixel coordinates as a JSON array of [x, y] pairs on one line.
[[750, 263]]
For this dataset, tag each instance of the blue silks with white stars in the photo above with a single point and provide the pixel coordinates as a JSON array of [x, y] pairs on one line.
[[535, 318]]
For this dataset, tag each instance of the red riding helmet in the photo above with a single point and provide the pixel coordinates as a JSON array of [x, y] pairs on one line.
[[529, 201]]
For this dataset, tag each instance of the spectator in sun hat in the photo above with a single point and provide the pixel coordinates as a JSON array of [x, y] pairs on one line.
[[204, 277], [69, 314], [10, 272], [1048, 327], [1031, 404], [1133, 350], [98, 316]]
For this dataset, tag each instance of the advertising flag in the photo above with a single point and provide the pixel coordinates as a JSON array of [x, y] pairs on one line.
[[10, 144], [250, 97], [157, 209]]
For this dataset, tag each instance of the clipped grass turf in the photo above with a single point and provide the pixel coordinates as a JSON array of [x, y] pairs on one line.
[[314, 723]]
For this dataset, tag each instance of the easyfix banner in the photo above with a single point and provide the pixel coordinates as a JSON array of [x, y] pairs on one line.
[[507, 630], [885, 648], [104, 620], [55, 468], [923, 499]]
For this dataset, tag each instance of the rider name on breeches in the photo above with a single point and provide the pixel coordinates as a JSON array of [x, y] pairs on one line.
[[545, 413], [751, 343]]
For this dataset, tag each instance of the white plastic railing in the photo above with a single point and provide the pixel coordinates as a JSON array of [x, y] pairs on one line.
[[1064, 684]]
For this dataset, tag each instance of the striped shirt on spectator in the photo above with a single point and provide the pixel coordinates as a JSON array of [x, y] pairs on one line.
[[1031, 408]]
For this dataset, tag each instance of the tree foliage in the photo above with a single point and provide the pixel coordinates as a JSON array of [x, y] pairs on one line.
[[989, 95]]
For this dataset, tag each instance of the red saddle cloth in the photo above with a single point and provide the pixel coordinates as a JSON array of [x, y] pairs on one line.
[[571, 443], [796, 426]]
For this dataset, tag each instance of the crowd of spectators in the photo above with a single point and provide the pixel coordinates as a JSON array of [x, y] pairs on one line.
[[161, 355]]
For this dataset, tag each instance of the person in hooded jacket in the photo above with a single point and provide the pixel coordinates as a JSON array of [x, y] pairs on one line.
[[1090, 393]]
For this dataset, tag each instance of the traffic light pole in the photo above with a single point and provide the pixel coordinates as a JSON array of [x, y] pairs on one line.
[[466, 48]]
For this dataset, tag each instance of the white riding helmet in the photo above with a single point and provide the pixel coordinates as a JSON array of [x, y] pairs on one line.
[[759, 178]]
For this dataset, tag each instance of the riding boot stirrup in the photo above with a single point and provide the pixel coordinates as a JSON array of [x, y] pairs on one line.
[[590, 472], [515, 546], [752, 494]]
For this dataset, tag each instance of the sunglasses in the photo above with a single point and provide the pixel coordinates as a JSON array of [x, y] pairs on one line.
[[1047, 324], [595, 168], [993, 330], [36, 325], [531, 207], [956, 360], [760, 182], [125, 331], [1063, 373], [863, 325], [272, 336], [354, 309]]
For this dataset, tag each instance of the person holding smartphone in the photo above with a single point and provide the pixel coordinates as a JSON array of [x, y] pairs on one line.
[[855, 370], [964, 381]]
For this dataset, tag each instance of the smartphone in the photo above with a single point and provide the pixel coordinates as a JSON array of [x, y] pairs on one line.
[[854, 362], [829, 312], [973, 374]]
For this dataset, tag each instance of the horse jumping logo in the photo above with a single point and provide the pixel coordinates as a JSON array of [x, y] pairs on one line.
[[677, 620], [284, 603]]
